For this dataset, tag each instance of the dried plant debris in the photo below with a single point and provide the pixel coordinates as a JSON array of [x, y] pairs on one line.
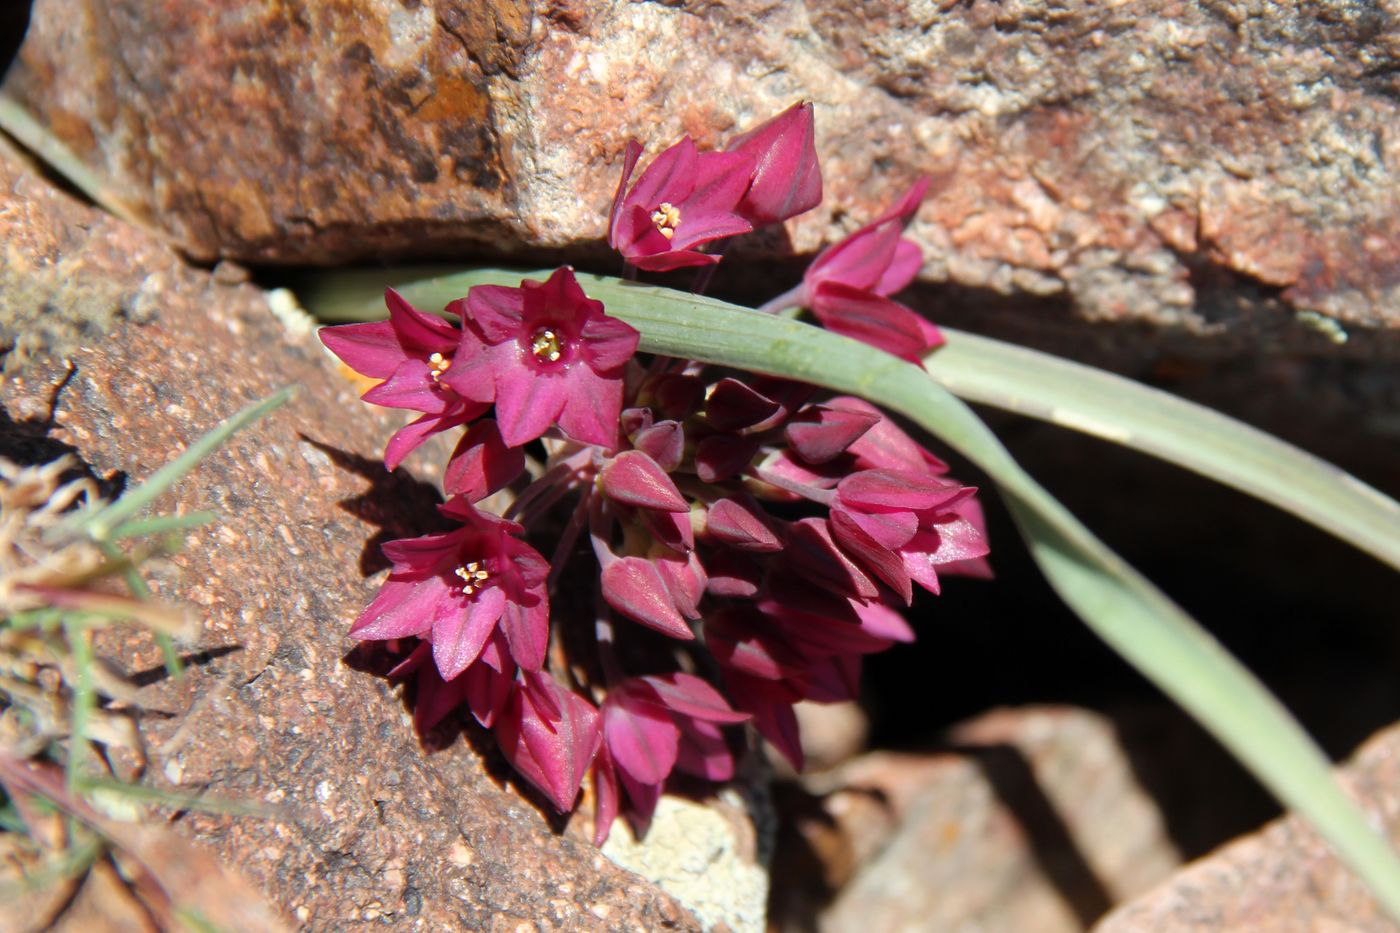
[[77, 847]]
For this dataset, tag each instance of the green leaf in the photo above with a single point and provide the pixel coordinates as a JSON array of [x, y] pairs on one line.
[[1086, 399], [174, 799], [161, 524], [84, 700], [100, 523], [41, 141], [1122, 607]]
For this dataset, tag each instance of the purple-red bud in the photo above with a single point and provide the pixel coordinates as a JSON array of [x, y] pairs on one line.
[[741, 523], [733, 405], [482, 463], [633, 478], [722, 456], [634, 587], [786, 178], [663, 442], [820, 433]]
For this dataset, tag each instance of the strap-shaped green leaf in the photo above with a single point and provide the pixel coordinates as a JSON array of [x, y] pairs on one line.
[[1140, 622], [1086, 399]]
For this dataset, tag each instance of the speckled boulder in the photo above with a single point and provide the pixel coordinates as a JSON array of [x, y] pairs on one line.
[[1185, 163]]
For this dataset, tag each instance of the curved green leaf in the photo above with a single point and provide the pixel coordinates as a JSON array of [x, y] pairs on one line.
[[1086, 399], [1144, 626]]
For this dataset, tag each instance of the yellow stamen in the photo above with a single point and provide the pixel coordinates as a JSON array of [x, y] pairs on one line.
[[666, 217], [546, 346], [438, 364], [473, 575]]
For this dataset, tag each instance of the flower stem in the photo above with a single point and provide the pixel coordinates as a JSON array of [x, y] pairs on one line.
[[792, 298]]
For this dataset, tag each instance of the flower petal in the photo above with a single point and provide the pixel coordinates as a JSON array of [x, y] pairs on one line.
[[692, 696], [401, 609], [741, 523], [634, 587], [482, 464], [425, 333], [908, 260], [493, 311], [633, 478], [869, 318], [821, 433], [527, 632], [527, 404], [786, 179], [369, 349], [642, 739], [412, 435], [552, 754], [607, 342], [704, 752], [629, 162], [670, 177], [591, 403], [459, 633], [412, 386]]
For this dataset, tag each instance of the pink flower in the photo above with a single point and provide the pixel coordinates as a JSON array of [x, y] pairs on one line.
[[684, 199], [550, 735], [410, 351], [786, 179], [482, 464], [848, 284], [485, 686], [457, 588], [652, 725], [544, 353], [902, 526]]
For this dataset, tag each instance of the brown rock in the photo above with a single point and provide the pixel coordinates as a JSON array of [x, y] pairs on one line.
[[1032, 821], [1122, 156], [1284, 877], [367, 826]]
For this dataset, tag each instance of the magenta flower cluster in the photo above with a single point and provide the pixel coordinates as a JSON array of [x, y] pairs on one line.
[[720, 547]]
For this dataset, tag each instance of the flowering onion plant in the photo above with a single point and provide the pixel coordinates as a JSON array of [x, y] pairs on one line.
[[746, 540]]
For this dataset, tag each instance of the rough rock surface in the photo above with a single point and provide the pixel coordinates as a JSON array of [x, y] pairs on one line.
[[1284, 877], [366, 827], [1188, 163], [1032, 820]]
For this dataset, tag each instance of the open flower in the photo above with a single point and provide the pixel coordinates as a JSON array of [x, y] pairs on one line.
[[409, 352], [848, 285], [455, 589], [683, 200], [545, 353]]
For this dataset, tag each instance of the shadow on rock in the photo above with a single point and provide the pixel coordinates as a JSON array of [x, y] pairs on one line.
[[27, 443], [402, 506], [379, 659]]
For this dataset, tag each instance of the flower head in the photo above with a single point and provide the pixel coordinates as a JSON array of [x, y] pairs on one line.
[[458, 588], [545, 353], [683, 200]]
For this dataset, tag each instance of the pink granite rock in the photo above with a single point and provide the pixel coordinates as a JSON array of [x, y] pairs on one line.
[[1284, 877], [1175, 162], [1034, 820]]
